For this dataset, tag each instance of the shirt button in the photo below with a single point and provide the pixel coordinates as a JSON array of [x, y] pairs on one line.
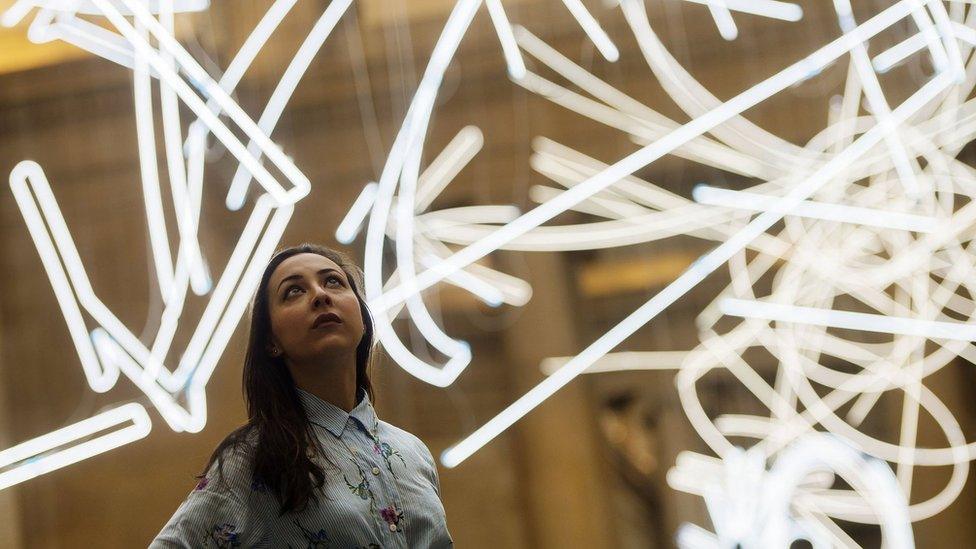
[[393, 527], [376, 470]]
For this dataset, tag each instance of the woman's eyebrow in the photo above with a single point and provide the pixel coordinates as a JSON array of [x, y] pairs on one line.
[[298, 276]]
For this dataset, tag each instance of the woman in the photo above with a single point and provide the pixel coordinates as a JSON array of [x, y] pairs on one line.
[[313, 466]]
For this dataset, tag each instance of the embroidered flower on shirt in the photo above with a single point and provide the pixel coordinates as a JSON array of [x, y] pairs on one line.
[[314, 539], [391, 515], [362, 489], [387, 451], [202, 484], [223, 535]]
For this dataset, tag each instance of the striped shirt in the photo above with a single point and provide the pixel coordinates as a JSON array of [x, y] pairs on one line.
[[382, 492]]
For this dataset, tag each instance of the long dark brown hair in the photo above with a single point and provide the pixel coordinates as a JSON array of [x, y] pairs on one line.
[[278, 438]]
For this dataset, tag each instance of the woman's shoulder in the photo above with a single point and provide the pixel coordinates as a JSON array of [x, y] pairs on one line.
[[406, 439], [231, 466], [237, 446]]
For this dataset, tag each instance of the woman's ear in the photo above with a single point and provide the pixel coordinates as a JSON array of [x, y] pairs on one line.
[[273, 349]]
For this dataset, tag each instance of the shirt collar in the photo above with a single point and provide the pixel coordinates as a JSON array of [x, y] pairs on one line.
[[335, 419]]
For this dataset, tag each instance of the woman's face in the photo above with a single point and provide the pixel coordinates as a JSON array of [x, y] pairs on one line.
[[315, 314]]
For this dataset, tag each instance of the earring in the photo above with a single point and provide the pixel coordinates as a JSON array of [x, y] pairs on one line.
[[274, 351]]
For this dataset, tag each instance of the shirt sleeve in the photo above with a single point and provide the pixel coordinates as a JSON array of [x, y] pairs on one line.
[[442, 537], [217, 514], [429, 468], [433, 468]]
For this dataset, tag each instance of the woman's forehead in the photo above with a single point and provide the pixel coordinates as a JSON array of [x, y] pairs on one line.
[[303, 264]]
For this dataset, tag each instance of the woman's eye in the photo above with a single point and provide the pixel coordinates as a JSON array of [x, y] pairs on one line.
[[291, 291], [335, 279]]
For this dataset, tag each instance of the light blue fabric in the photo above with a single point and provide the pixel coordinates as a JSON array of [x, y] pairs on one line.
[[382, 492]]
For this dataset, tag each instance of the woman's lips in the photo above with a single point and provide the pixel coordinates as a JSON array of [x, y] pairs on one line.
[[327, 323], [328, 319]]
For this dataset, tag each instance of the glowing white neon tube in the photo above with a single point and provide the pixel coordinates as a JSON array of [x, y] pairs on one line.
[[45, 453], [964, 33], [876, 99], [464, 215], [817, 210], [114, 358], [149, 171], [442, 170], [633, 188], [457, 351], [88, 7], [403, 165], [283, 91], [100, 377], [197, 132], [484, 291], [593, 29], [786, 11], [349, 226], [176, 168], [48, 26], [884, 61], [695, 100], [251, 47], [235, 310], [723, 19], [15, 13], [597, 205], [223, 293], [931, 329], [513, 57], [186, 63], [599, 234], [513, 291], [623, 361]]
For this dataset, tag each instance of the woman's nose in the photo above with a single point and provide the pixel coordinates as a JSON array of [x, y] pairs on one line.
[[321, 298]]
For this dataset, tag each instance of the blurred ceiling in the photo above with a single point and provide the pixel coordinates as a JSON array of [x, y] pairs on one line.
[[19, 54]]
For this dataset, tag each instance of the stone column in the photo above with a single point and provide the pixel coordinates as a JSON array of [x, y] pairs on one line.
[[563, 469]]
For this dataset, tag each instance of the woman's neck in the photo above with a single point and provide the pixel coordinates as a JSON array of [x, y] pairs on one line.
[[335, 383]]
